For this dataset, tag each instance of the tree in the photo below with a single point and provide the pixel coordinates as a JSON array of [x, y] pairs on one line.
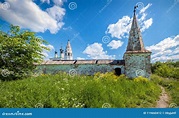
[[19, 51], [155, 66]]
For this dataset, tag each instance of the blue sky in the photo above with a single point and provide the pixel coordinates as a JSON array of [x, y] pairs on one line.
[[97, 29]]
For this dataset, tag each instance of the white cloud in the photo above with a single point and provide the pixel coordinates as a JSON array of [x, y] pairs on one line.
[[80, 58], [27, 14], [47, 53], [122, 27], [167, 49], [59, 2], [146, 24], [56, 2], [56, 12], [142, 18], [145, 8], [50, 47], [115, 44], [47, 1], [95, 51]]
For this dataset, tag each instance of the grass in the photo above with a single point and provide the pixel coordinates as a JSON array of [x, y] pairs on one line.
[[64, 91], [170, 85]]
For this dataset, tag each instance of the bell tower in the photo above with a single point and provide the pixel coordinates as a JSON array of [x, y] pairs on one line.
[[68, 51], [137, 58]]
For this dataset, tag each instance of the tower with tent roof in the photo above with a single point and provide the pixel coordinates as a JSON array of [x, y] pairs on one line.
[[137, 58]]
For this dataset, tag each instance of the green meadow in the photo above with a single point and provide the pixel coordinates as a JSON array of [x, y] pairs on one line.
[[107, 90], [64, 91]]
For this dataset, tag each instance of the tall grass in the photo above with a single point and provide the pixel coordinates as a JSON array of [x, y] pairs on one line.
[[64, 91], [171, 86]]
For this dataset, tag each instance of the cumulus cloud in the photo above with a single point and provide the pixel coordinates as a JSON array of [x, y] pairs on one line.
[[146, 24], [47, 53], [121, 28], [167, 49], [56, 12], [95, 51], [27, 14], [115, 44]]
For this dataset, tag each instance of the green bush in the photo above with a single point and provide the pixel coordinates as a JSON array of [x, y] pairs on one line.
[[167, 69], [19, 50]]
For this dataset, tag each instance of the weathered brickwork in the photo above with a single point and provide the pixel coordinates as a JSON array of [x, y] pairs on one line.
[[137, 64], [88, 67]]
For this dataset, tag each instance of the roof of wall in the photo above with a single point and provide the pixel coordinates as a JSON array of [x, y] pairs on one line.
[[66, 62]]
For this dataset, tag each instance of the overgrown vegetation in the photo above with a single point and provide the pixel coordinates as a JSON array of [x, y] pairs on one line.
[[167, 69], [167, 75], [19, 50], [62, 90], [171, 86]]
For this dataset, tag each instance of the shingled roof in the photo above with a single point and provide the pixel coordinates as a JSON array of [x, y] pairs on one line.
[[135, 41]]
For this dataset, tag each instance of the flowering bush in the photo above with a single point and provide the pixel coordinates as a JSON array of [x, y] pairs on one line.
[[141, 79], [109, 76]]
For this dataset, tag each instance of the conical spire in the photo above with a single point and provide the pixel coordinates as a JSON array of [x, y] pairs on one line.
[[135, 42]]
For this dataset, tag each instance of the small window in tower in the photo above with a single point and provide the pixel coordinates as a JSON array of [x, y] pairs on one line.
[[68, 54]]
